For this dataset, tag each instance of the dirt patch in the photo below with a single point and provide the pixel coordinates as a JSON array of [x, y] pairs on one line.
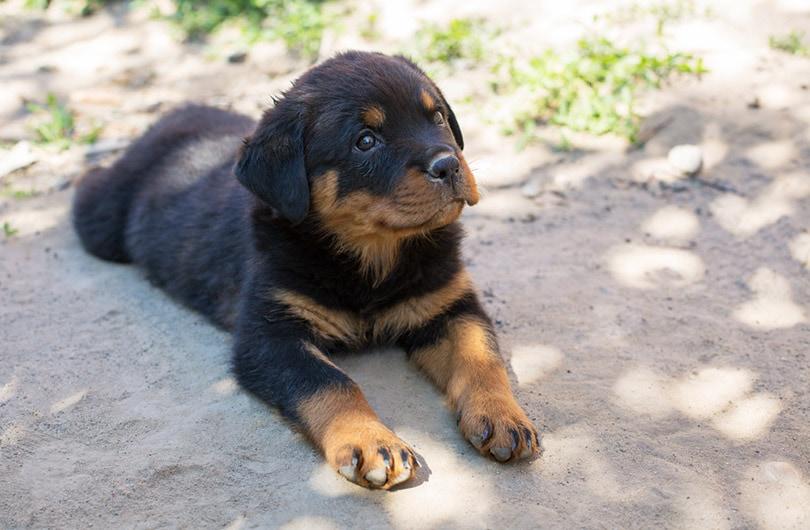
[[657, 329]]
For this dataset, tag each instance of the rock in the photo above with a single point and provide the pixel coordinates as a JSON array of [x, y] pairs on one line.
[[686, 158], [753, 103], [18, 157], [237, 57]]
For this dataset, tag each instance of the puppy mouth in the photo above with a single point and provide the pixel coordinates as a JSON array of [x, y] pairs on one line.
[[442, 216]]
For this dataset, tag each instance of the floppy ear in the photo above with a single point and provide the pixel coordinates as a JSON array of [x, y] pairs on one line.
[[271, 164], [451, 119], [451, 116]]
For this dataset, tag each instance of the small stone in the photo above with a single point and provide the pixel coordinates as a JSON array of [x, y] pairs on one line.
[[532, 188], [19, 157], [753, 103], [237, 57], [687, 159]]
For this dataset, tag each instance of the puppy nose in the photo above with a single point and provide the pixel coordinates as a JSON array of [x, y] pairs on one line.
[[444, 168]]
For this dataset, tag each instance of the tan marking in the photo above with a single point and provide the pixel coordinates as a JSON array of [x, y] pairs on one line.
[[328, 413], [463, 361], [349, 328], [427, 100], [316, 352], [341, 422], [331, 324], [374, 117], [472, 195], [418, 310], [373, 227], [466, 366]]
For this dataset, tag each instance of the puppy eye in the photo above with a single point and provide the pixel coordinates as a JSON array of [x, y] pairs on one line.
[[366, 141], [438, 118]]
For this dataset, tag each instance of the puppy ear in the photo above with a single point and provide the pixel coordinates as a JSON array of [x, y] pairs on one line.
[[453, 122], [451, 116], [271, 164]]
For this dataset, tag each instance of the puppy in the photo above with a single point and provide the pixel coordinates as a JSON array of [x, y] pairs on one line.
[[328, 227]]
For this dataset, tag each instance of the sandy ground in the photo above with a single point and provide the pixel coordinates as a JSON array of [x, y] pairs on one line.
[[657, 330]]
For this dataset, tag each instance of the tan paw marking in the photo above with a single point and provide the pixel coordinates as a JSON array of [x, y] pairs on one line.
[[380, 461], [498, 428]]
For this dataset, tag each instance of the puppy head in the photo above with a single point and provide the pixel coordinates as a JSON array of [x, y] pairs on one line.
[[366, 146]]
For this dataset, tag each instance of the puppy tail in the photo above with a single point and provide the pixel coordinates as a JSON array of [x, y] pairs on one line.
[[100, 210]]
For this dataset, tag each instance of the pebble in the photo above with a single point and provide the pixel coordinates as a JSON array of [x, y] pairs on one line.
[[686, 158], [20, 156], [237, 57]]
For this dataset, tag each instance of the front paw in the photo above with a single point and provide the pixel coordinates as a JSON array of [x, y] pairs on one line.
[[498, 427], [370, 455]]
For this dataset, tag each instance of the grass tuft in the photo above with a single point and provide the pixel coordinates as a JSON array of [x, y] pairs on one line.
[[55, 124], [792, 43], [9, 230], [461, 38], [595, 89], [299, 23]]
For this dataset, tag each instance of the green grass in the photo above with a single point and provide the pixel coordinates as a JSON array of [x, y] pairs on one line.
[[461, 38], [299, 23], [595, 89], [54, 123], [18, 194], [792, 43], [9, 230], [662, 13], [78, 7]]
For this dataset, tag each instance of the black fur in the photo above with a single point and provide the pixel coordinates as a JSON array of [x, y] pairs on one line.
[[173, 205]]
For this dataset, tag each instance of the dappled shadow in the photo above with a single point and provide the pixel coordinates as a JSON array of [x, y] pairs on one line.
[[646, 267], [800, 249], [655, 325], [574, 449], [743, 217], [772, 306], [776, 494], [721, 395]]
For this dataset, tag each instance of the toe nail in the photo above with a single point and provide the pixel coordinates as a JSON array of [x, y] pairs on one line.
[[501, 454], [406, 459], [528, 435], [377, 476], [515, 438], [487, 432], [386, 456]]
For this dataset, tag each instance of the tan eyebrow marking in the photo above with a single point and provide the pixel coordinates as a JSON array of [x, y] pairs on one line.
[[427, 101], [373, 116]]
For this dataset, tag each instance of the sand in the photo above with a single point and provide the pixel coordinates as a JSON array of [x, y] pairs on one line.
[[657, 329]]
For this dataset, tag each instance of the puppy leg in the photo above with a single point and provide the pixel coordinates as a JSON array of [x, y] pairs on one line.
[[278, 363], [459, 352]]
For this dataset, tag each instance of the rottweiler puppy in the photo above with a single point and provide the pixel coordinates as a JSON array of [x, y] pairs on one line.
[[328, 227]]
